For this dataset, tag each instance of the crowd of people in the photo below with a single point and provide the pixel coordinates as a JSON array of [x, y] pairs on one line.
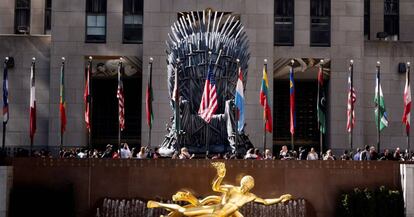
[[367, 153], [304, 153]]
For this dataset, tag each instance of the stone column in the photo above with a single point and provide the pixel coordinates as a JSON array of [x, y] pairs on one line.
[[6, 180], [407, 178]]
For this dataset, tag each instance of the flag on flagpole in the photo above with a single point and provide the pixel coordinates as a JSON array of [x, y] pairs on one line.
[[380, 104], [264, 101], [208, 105], [62, 101], [148, 99], [321, 106], [351, 105], [87, 97], [407, 103], [239, 101], [292, 102], [32, 102], [121, 99], [5, 94]]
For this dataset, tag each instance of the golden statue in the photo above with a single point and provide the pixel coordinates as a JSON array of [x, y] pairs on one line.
[[227, 205]]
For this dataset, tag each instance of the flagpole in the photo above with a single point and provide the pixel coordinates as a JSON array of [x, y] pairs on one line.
[[264, 114], [3, 146], [319, 103], [292, 117], [351, 129], [119, 113], [378, 107], [177, 105], [33, 80], [62, 77], [90, 103], [150, 88], [236, 118], [408, 132], [207, 124]]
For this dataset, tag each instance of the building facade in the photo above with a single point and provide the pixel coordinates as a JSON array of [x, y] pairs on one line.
[[278, 30]]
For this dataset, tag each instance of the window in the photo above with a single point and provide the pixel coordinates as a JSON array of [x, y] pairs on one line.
[[96, 21], [284, 20], [391, 18], [320, 23], [133, 14], [22, 17], [48, 16], [367, 13]]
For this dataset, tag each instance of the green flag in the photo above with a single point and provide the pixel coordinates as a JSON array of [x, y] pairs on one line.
[[382, 112], [321, 106]]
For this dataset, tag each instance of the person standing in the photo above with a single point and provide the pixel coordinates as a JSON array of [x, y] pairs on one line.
[[365, 155], [125, 152], [312, 155]]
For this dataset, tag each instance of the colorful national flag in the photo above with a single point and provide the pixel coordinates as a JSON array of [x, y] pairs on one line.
[[121, 99], [351, 104], [148, 99], [380, 105], [208, 105], [292, 102], [239, 101], [5, 94], [264, 101], [407, 103], [87, 96], [321, 106], [62, 101], [32, 102]]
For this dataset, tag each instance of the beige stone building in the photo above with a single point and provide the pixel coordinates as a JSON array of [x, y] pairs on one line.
[[278, 30]]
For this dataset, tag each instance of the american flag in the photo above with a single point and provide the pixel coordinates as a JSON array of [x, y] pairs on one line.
[[407, 103], [120, 96], [208, 105], [86, 96], [351, 104]]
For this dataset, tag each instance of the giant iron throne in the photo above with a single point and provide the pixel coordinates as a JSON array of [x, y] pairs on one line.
[[200, 41]]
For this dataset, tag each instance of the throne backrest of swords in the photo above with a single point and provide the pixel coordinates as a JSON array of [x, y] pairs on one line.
[[199, 42], [193, 37]]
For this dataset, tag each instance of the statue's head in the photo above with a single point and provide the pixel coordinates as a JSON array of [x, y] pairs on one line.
[[246, 183]]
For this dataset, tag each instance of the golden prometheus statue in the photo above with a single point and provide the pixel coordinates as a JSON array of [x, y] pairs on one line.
[[227, 205]]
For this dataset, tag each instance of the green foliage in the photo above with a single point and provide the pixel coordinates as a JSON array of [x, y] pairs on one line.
[[381, 202]]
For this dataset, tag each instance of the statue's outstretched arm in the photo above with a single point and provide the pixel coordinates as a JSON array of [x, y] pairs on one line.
[[221, 172], [281, 199]]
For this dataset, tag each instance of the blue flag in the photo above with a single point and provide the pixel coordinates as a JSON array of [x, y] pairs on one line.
[[240, 102]]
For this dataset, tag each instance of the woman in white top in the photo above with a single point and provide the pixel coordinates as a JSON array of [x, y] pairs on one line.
[[142, 153], [312, 155]]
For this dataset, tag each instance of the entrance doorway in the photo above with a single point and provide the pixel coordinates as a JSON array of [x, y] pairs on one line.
[[104, 85], [307, 132]]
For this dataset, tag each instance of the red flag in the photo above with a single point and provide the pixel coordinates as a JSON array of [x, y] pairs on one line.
[[292, 102], [149, 99], [407, 103], [86, 96], [208, 105], [32, 102], [62, 101], [120, 96]]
